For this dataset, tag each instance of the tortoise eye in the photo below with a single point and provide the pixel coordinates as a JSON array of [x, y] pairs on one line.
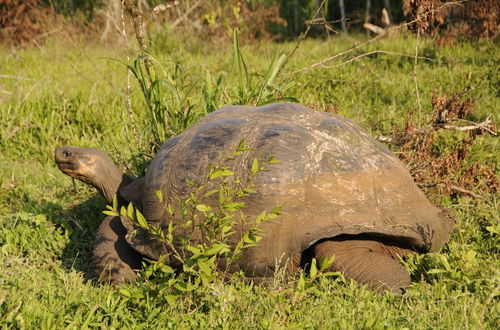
[[66, 153]]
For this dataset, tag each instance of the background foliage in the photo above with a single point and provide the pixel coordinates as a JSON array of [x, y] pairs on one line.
[[23, 21]]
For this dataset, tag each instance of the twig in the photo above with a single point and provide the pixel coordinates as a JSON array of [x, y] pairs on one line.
[[376, 74], [465, 191], [91, 61], [415, 80], [326, 60], [15, 77], [484, 125], [162, 7], [320, 64], [46, 34], [303, 35], [76, 224], [491, 296], [128, 101], [185, 15], [138, 18]]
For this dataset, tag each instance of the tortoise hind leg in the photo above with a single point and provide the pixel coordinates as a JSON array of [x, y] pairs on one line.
[[113, 259], [367, 262]]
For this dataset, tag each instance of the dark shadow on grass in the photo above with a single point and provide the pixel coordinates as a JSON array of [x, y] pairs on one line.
[[84, 219], [80, 223]]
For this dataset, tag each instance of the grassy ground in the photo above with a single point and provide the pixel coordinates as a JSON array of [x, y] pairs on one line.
[[75, 93]]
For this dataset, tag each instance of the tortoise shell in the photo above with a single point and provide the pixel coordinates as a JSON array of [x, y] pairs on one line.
[[332, 179]]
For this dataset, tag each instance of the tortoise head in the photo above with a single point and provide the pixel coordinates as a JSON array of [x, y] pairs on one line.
[[92, 166]]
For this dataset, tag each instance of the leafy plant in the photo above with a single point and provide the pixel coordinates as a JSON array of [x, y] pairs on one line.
[[207, 233], [166, 98], [309, 282], [258, 89], [170, 93]]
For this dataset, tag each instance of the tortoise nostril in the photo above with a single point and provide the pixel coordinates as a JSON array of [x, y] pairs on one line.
[[66, 153]]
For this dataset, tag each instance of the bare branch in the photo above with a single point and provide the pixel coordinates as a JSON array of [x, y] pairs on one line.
[[321, 64], [326, 60], [374, 28], [304, 35], [465, 191], [486, 125], [186, 14], [138, 18], [380, 36], [162, 7]]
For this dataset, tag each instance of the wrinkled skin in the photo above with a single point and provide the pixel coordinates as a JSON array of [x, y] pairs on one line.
[[113, 259], [344, 193]]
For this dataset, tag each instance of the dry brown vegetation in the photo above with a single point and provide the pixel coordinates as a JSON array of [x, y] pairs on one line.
[[253, 23], [449, 20], [447, 172], [21, 20]]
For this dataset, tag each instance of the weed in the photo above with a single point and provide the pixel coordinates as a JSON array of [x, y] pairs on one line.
[[206, 233], [257, 89], [167, 99]]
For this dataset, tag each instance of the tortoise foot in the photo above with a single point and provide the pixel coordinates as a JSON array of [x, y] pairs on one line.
[[367, 262], [114, 261]]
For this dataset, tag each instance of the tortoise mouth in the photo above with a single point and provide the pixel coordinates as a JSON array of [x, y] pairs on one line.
[[67, 166], [74, 170]]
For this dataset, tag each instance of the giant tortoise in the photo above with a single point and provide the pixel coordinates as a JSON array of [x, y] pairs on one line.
[[342, 193]]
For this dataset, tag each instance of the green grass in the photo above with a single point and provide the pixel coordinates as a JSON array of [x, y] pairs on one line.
[[76, 95]]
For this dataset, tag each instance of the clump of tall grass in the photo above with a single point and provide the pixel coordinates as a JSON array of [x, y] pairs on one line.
[[172, 93]]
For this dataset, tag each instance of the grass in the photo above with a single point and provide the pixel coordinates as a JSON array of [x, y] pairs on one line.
[[74, 94]]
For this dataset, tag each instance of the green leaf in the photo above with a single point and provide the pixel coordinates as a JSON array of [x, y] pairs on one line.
[[159, 195], [233, 206], [196, 251], [255, 166], [216, 248], [170, 209], [220, 172], [272, 160], [206, 267], [332, 274], [203, 208], [123, 211], [314, 270], [130, 210], [241, 146], [261, 217], [183, 286], [171, 299], [302, 282], [210, 193], [125, 293], [113, 213], [141, 220], [115, 203], [325, 262]]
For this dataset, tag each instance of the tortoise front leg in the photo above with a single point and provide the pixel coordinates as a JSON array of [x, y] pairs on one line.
[[367, 262], [113, 259]]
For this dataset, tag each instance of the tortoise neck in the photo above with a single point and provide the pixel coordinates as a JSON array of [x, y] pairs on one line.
[[111, 182]]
